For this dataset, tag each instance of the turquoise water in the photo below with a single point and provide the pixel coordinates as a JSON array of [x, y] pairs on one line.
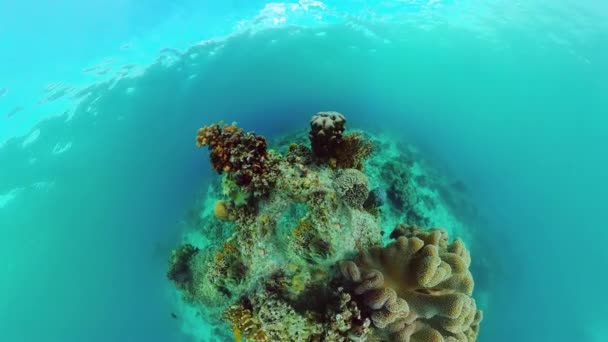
[[509, 97]]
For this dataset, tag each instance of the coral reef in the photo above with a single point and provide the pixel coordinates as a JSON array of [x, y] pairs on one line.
[[242, 155], [403, 193], [330, 146], [180, 271], [417, 288], [244, 324], [289, 247], [352, 186], [352, 152], [223, 211], [375, 199]]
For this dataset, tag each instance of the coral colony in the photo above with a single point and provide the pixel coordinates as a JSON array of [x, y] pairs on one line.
[[299, 253]]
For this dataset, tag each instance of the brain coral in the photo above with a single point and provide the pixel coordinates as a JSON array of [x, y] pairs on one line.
[[352, 186], [326, 133], [417, 288]]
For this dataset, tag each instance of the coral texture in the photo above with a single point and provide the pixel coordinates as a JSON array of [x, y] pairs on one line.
[[180, 271], [244, 324], [352, 186], [418, 288], [242, 155], [352, 152], [325, 134], [223, 211], [402, 192]]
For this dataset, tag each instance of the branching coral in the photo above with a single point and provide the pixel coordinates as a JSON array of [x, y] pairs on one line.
[[282, 323], [417, 288], [345, 321], [242, 155], [352, 152], [352, 186]]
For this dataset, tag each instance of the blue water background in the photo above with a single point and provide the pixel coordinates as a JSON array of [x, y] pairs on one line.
[[511, 98]]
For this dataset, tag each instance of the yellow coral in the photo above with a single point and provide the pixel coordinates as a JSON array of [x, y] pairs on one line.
[[220, 210], [244, 324]]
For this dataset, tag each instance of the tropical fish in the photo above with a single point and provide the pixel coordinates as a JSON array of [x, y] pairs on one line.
[[3, 91]]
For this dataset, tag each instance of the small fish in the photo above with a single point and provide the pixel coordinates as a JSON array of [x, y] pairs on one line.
[[125, 46], [3, 91], [174, 315], [14, 111]]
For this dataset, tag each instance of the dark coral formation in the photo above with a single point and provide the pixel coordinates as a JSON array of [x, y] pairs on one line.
[[402, 192], [180, 270], [325, 134], [417, 288], [242, 155]]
